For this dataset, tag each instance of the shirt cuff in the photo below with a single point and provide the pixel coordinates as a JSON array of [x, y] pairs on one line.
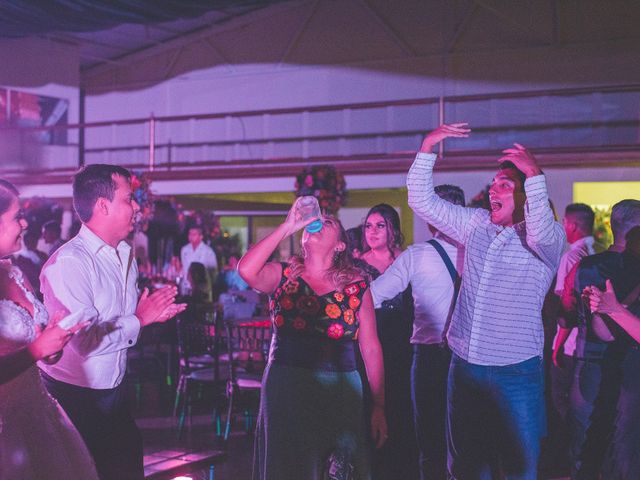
[[535, 185], [130, 329], [426, 157]]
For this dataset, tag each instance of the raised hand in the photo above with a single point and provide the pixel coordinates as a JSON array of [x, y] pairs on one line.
[[452, 130], [294, 221], [160, 306], [523, 159]]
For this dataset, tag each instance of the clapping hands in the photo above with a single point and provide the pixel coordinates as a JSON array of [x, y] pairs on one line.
[[602, 301], [158, 307]]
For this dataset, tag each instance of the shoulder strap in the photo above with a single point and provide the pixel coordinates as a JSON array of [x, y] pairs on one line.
[[447, 261], [455, 278]]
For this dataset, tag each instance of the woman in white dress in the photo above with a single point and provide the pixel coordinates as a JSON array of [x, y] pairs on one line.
[[37, 440]]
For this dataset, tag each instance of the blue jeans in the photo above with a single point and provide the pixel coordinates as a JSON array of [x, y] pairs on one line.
[[429, 397], [495, 420]]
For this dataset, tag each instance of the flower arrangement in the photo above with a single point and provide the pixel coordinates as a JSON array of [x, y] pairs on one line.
[[141, 187], [326, 184], [602, 227]]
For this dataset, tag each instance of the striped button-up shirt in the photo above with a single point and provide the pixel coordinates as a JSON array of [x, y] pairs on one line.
[[507, 270]]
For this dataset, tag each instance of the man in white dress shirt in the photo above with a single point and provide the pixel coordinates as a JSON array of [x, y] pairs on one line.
[[197, 251], [434, 281], [93, 277], [495, 390]]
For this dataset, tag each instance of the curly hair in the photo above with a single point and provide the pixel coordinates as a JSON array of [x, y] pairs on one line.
[[342, 271], [395, 239]]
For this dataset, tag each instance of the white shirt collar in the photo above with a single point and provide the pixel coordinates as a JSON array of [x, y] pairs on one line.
[[96, 243]]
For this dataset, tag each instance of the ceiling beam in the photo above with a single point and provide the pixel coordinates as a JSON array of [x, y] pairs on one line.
[[401, 42], [461, 27], [296, 37], [192, 36]]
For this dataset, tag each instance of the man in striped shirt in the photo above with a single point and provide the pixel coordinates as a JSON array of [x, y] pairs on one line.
[[495, 387]]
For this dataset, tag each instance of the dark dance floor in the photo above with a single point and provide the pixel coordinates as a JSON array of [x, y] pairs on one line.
[[153, 414]]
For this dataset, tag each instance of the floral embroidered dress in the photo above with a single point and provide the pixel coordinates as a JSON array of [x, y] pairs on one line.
[[311, 397], [37, 440]]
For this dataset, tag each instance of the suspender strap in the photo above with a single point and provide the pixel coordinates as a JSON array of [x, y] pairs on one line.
[[455, 278]]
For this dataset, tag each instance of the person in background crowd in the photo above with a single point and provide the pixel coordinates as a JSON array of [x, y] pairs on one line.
[[432, 269], [94, 276], [232, 279], [30, 260], [354, 244], [606, 365], [200, 283], [496, 384], [197, 251], [578, 224], [51, 240], [394, 318], [310, 421], [36, 438]]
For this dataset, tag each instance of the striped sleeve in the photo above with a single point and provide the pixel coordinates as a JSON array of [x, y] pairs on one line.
[[452, 220], [545, 236]]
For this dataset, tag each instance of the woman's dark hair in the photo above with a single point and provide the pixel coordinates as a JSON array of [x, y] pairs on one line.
[[94, 182], [200, 280], [7, 194], [395, 239]]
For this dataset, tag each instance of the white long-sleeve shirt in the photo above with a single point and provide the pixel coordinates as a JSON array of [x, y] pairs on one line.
[[431, 286], [93, 281], [507, 270], [203, 254]]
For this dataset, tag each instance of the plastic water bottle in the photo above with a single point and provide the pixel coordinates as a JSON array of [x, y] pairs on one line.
[[309, 208]]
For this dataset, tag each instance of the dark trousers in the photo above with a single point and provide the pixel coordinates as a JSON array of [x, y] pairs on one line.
[[495, 420], [605, 417], [105, 424], [561, 378], [429, 397], [623, 454], [555, 453]]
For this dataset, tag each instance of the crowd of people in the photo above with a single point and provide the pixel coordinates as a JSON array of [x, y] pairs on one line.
[[461, 332], [386, 363]]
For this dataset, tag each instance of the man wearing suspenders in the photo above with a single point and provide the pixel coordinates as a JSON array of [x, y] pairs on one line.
[[432, 270]]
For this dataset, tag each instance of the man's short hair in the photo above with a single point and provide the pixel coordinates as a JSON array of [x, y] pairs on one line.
[[583, 216], [93, 182], [450, 193], [200, 228], [509, 165], [52, 226], [624, 216]]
